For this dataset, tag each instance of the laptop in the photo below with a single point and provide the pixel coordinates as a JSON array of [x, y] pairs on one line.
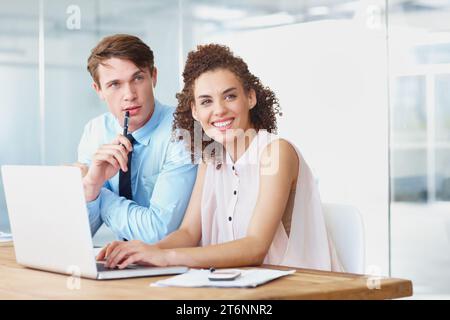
[[50, 224]]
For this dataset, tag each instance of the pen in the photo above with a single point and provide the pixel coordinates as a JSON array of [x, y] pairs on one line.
[[125, 126], [125, 123], [125, 133]]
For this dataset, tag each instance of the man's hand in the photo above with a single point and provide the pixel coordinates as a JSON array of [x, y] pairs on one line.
[[105, 164]]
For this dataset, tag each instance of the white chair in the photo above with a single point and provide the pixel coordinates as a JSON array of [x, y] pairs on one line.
[[345, 227]]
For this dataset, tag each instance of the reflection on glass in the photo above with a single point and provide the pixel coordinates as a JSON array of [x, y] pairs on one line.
[[433, 53], [70, 98], [443, 174], [408, 158], [409, 180], [19, 90], [226, 15], [442, 118], [419, 42], [409, 117]]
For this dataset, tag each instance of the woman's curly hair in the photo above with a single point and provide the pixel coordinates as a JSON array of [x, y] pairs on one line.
[[212, 57]]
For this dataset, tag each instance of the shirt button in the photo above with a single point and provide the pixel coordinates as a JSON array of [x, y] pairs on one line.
[[229, 218], [233, 168], [234, 192]]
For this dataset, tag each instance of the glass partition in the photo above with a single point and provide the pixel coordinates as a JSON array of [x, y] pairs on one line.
[[20, 131], [419, 73]]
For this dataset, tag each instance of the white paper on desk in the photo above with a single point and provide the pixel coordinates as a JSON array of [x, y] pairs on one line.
[[199, 278], [5, 237]]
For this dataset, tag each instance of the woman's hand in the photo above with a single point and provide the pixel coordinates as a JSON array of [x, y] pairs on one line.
[[123, 253]]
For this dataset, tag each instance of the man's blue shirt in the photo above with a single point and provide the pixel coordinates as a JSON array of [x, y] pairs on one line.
[[162, 178]]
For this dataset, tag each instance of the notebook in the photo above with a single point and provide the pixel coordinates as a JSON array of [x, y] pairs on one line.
[[249, 278]]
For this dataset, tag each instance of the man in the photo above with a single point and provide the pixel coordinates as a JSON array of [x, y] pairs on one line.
[[160, 171]]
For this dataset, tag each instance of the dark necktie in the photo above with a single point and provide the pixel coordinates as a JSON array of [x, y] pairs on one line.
[[125, 177]]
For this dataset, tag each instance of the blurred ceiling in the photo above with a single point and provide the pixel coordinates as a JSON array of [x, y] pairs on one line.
[[19, 19]]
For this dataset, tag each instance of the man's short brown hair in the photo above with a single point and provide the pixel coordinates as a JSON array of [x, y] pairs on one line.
[[121, 46]]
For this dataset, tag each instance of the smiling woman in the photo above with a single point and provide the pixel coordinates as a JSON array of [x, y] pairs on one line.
[[222, 106], [262, 205], [209, 70]]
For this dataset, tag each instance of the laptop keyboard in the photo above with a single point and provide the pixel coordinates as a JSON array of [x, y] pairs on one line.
[[101, 268]]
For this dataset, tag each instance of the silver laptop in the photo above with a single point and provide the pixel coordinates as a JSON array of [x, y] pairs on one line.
[[50, 224]]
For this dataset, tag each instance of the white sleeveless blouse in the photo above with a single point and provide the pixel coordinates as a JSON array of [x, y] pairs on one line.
[[229, 198]]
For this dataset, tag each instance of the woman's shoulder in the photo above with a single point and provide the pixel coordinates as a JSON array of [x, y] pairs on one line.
[[272, 144], [279, 152]]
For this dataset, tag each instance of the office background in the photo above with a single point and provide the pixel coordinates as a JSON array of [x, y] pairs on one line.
[[364, 87]]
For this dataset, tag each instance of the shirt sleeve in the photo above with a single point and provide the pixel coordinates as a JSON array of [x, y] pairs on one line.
[[95, 220], [86, 148], [168, 202]]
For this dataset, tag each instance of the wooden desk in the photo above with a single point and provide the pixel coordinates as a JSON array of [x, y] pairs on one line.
[[17, 282]]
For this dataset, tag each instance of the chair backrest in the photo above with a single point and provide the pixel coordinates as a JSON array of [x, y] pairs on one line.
[[345, 226]]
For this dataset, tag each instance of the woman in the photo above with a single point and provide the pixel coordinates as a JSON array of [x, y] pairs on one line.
[[254, 200]]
